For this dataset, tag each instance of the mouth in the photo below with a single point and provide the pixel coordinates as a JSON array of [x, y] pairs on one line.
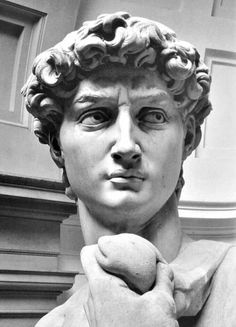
[[127, 175], [127, 180]]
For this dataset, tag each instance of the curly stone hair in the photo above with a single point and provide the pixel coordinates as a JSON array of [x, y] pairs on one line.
[[115, 38]]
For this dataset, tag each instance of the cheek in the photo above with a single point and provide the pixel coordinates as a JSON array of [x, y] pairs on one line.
[[82, 155], [175, 153], [71, 151], [77, 164], [174, 160], [78, 161], [167, 150]]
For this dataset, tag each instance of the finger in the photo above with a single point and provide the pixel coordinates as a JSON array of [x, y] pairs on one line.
[[86, 310], [90, 265], [97, 277], [164, 279], [159, 256], [89, 311]]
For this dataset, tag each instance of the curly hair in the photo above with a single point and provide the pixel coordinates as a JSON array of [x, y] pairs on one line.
[[115, 38]]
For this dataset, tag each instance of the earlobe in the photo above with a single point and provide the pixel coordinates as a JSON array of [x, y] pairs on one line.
[[190, 136], [68, 189], [58, 157], [56, 152]]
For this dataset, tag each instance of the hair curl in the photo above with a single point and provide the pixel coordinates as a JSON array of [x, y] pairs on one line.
[[115, 38]]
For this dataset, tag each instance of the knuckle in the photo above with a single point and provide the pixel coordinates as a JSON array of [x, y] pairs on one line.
[[85, 253], [167, 270], [168, 301], [87, 249]]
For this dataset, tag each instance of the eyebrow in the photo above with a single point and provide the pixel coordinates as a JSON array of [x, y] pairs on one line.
[[93, 98], [153, 96]]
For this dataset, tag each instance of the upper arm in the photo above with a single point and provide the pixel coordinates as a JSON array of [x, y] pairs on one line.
[[220, 308], [70, 313], [54, 318]]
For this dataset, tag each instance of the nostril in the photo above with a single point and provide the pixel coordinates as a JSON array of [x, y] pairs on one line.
[[116, 156], [136, 156], [127, 157]]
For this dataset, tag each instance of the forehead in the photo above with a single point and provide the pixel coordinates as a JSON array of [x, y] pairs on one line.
[[137, 80]]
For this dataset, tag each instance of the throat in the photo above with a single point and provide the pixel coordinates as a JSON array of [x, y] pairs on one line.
[[163, 230]]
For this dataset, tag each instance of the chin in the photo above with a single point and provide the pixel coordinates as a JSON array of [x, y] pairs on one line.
[[132, 206], [123, 199]]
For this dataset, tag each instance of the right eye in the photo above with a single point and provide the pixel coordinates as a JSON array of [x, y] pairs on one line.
[[152, 117], [94, 118]]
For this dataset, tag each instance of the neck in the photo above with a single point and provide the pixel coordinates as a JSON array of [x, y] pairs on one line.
[[163, 229]]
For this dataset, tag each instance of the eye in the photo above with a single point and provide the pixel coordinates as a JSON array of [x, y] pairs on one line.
[[152, 116], [94, 117]]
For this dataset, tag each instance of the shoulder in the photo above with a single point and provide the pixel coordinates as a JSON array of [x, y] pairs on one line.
[[226, 272], [220, 307], [69, 313], [225, 276], [230, 258], [54, 318]]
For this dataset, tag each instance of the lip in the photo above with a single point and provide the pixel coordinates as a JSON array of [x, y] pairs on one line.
[[126, 175]]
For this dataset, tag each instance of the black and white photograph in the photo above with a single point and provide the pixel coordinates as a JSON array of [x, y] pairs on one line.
[[118, 163]]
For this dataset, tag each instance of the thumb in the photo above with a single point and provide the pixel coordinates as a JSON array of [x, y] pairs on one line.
[[164, 279], [95, 274], [90, 265]]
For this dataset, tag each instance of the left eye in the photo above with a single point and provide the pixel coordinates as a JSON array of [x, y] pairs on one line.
[[93, 118], [152, 116]]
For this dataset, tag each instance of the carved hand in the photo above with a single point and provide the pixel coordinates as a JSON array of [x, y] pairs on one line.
[[111, 303], [130, 257]]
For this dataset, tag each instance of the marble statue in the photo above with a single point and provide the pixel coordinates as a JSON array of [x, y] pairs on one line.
[[120, 102]]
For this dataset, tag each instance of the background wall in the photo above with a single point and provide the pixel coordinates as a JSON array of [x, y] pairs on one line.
[[40, 235], [33, 267]]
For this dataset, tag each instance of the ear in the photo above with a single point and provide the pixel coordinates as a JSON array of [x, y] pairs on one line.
[[190, 136], [55, 151], [58, 157]]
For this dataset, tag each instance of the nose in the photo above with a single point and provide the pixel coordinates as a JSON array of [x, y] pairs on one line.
[[125, 149]]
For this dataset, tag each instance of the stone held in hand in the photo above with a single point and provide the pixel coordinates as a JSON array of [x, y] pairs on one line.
[[130, 257]]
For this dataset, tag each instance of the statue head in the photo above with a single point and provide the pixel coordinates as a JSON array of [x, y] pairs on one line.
[[126, 43]]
